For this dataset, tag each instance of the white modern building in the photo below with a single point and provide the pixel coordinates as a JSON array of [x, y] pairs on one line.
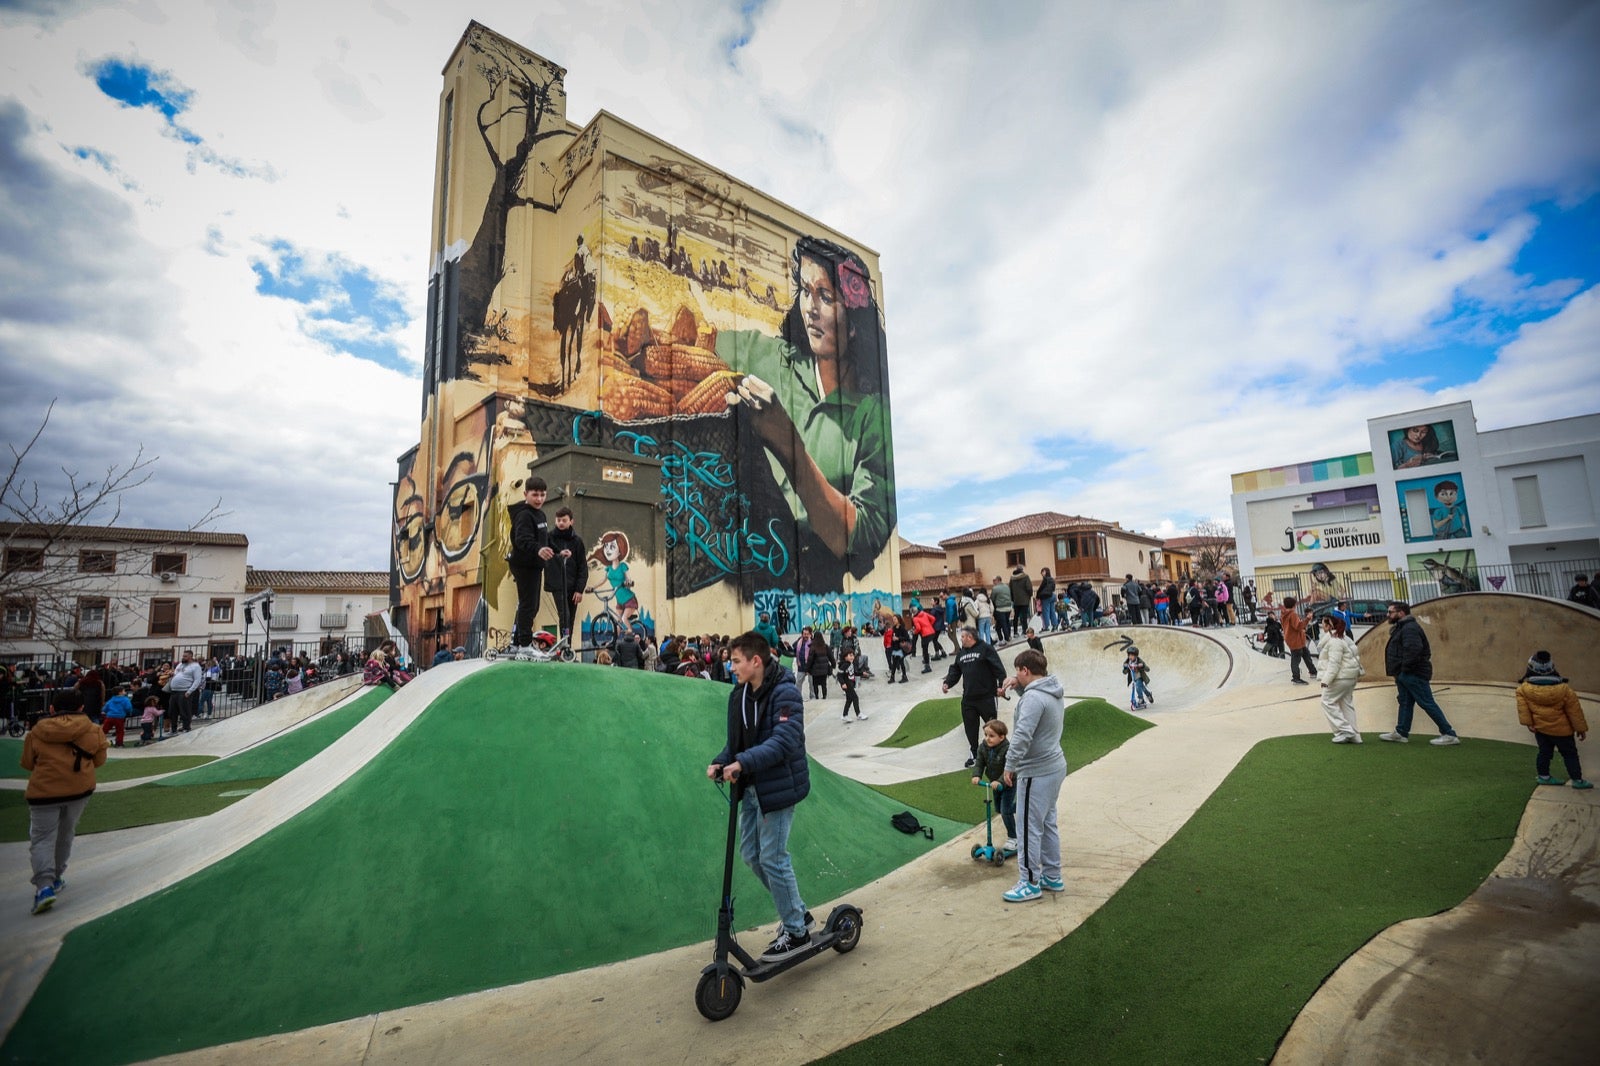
[[1436, 506]]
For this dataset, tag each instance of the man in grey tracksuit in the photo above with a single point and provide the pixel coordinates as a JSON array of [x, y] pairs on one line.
[[1036, 768]]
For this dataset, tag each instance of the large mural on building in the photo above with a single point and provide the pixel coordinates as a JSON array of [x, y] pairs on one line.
[[592, 287], [1433, 508]]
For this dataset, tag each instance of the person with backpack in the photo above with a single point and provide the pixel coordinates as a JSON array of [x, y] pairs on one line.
[[60, 754]]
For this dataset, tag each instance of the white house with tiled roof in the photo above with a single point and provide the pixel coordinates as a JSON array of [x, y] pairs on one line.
[[310, 605], [90, 593]]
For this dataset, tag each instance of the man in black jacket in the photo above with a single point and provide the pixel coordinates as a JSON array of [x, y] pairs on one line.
[[1584, 593], [530, 551], [565, 570], [1409, 660], [981, 673]]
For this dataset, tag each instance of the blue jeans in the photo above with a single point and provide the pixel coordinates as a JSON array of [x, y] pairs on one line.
[[986, 630], [1140, 692], [764, 846], [1414, 691], [1047, 608], [1164, 614]]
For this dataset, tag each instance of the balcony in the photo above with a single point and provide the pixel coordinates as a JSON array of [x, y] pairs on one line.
[[335, 621], [284, 621]]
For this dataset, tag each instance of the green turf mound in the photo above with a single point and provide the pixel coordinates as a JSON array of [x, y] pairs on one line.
[[212, 785], [1091, 729], [117, 767], [1207, 954], [276, 757], [536, 819]]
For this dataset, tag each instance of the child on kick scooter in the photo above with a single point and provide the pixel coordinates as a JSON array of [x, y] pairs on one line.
[[1138, 679], [765, 759], [991, 763]]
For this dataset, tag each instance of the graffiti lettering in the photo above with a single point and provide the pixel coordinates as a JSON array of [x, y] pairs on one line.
[[697, 485]]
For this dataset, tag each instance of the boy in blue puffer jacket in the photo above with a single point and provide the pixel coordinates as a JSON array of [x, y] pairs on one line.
[[765, 759]]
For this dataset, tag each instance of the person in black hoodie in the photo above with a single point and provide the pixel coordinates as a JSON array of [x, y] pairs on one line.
[[530, 551], [765, 760], [565, 570], [981, 673]]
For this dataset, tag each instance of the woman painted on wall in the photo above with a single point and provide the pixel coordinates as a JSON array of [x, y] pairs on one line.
[[814, 397], [611, 555]]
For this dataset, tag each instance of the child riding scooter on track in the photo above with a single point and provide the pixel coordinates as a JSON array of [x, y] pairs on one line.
[[991, 764]]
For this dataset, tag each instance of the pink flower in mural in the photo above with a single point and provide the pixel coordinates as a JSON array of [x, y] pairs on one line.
[[853, 285]]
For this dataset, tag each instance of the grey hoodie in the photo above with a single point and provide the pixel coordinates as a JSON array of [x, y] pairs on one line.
[[1036, 731]]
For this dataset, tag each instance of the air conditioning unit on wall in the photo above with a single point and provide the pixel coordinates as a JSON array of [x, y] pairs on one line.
[[168, 577]]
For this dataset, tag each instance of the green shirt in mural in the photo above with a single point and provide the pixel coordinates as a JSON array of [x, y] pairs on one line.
[[846, 435]]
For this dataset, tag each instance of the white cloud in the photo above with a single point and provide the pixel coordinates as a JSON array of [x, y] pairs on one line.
[[1182, 241]]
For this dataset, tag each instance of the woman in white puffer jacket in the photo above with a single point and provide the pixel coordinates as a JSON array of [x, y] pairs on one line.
[[1339, 668]]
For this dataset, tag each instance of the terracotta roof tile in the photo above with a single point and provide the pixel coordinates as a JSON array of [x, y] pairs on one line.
[[1027, 526], [317, 580], [908, 548], [125, 534]]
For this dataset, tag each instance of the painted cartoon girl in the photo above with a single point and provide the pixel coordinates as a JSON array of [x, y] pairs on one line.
[[611, 553]]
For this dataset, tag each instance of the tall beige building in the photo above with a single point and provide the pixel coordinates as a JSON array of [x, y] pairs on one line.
[[696, 369]]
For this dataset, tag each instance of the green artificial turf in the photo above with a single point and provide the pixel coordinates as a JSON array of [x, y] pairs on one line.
[[199, 791], [129, 807], [536, 819], [117, 768], [276, 757], [924, 722], [1092, 728], [1207, 954]]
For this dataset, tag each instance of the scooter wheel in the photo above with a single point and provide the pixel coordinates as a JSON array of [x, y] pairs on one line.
[[977, 851], [490, 654], [999, 857], [848, 927], [717, 995]]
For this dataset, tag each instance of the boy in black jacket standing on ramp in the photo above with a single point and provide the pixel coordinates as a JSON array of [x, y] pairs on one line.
[[981, 673]]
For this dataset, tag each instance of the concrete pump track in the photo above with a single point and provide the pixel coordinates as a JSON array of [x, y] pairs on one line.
[[404, 877]]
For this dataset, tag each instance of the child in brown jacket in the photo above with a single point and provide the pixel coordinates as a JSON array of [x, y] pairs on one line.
[[60, 754], [1550, 709]]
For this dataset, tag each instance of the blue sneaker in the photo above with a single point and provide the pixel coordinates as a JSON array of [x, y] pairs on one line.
[[44, 899], [57, 885], [1052, 884], [1021, 892]]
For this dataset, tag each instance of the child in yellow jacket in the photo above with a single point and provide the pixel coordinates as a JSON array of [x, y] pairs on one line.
[[60, 754], [1550, 709]]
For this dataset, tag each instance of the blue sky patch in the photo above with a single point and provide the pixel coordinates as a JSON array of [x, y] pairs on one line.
[[136, 85], [347, 306]]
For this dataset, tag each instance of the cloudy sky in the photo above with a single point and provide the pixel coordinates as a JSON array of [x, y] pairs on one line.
[[1128, 248]]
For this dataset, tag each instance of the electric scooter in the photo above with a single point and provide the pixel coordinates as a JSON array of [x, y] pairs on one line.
[[722, 983], [987, 851]]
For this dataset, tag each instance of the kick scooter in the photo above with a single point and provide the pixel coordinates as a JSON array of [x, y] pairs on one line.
[[722, 983], [988, 851]]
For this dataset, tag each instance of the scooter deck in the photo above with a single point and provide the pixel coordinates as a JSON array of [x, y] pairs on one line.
[[820, 942]]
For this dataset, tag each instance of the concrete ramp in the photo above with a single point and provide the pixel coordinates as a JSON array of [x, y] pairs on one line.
[[1186, 665], [1488, 636]]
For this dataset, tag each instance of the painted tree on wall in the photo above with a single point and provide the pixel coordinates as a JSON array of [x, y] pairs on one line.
[[524, 91]]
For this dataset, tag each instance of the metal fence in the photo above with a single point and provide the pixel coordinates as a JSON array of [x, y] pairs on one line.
[[1553, 580], [243, 682]]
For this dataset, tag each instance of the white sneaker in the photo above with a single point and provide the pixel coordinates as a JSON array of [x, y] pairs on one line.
[[1445, 741], [861, 718], [1011, 845], [1394, 738]]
